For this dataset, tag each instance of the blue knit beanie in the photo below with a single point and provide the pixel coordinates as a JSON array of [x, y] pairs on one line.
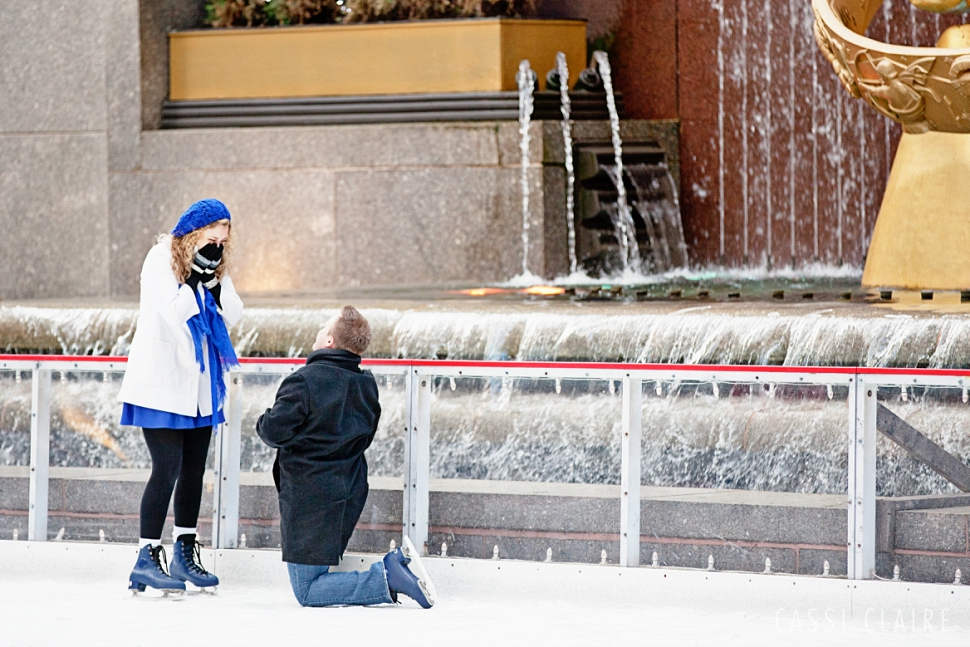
[[201, 214]]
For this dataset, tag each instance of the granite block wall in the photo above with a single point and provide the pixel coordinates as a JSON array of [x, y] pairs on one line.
[[53, 151]]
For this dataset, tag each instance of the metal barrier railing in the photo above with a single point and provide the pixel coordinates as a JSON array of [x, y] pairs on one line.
[[418, 376]]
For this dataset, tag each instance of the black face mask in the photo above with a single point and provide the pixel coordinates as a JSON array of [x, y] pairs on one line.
[[211, 252]]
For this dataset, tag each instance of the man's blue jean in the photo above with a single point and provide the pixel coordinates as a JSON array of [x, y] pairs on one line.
[[316, 586]]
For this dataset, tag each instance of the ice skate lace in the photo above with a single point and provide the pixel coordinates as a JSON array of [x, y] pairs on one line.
[[158, 556], [194, 558]]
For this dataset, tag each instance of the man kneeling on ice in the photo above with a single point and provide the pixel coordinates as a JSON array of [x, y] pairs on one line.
[[324, 417]]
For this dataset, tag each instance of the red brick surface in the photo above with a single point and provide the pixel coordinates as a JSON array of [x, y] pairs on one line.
[[645, 58]]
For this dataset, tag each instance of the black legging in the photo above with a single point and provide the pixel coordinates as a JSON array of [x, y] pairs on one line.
[[178, 455]]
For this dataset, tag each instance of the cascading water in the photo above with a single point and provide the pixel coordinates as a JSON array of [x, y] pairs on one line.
[[695, 434], [732, 436], [567, 137], [659, 207], [803, 334], [526, 79], [626, 228]]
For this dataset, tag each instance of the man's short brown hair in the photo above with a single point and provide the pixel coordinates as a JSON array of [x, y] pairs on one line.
[[351, 331]]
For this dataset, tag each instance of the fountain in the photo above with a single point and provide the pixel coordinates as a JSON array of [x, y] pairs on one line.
[[633, 235], [562, 70], [922, 233], [526, 79], [659, 208], [526, 433], [623, 219], [695, 434], [652, 203]]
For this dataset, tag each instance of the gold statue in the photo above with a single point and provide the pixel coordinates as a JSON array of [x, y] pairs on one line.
[[922, 235]]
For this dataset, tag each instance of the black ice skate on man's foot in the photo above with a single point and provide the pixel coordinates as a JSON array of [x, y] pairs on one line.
[[400, 579], [187, 566], [149, 572]]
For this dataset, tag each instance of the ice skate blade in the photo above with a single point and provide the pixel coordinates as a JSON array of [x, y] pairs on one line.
[[158, 594], [424, 580], [192, 589]]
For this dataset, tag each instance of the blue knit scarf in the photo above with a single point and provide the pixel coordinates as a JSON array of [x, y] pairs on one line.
[[208, 324]]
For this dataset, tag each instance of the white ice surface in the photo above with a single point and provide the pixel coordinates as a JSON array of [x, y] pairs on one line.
[[74, 594]]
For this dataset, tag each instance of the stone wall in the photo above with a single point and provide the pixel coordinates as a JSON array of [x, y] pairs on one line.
[[358, 205], [347, 205], [53, 150]]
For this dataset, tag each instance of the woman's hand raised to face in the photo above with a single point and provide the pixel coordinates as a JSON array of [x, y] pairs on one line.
[[212, 252], [206, 261]]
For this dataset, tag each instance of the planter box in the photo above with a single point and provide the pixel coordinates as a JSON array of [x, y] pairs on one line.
[[434, 56]]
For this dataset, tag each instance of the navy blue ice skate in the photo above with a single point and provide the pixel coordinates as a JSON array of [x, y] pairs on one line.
[[149, 572], [400, 579], [187, 565]]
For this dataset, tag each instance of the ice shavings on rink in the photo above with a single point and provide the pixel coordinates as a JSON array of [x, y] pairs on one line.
[[481, 603]]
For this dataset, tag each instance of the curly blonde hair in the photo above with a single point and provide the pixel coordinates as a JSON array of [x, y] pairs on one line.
[[183, 251]]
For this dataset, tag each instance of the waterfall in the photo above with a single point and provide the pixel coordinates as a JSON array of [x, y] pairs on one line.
[[734, 435], [645, 186], [717, 333], [695, 434], [674, 225], [659, 206], [526, 79], [630, 252], [567, 139]]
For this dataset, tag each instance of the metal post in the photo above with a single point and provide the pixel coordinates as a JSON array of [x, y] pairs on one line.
[[225, 496], [417, 458], [862, 479], [40, 448], [630, 477]]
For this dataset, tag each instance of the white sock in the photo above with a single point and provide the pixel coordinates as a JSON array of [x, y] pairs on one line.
[[178, 531], [148, 542]]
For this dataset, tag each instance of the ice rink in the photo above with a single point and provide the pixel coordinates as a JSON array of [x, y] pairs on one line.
[[62, 593]]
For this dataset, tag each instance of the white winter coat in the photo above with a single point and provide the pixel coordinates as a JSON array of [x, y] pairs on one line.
[[163, 373]]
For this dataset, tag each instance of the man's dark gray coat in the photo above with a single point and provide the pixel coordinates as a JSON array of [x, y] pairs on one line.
[[324, 417]]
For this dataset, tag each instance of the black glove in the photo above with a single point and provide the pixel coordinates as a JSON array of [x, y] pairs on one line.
[[194, 278], [216, 292], [206, 261], [212, 252]]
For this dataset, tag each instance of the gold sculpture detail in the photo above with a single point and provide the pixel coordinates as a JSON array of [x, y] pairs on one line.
[[835, 52], [922, 88], [898, 94]]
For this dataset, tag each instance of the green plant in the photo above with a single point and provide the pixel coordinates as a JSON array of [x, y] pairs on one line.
[[259, 13], [498, 8], [239, 13], [307, 12], [604, 43], [384, 10]]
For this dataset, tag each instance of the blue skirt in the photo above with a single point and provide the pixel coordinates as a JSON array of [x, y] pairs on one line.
[[135, 416]]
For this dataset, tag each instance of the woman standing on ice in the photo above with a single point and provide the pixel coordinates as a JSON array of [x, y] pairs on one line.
[[174, 387]]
